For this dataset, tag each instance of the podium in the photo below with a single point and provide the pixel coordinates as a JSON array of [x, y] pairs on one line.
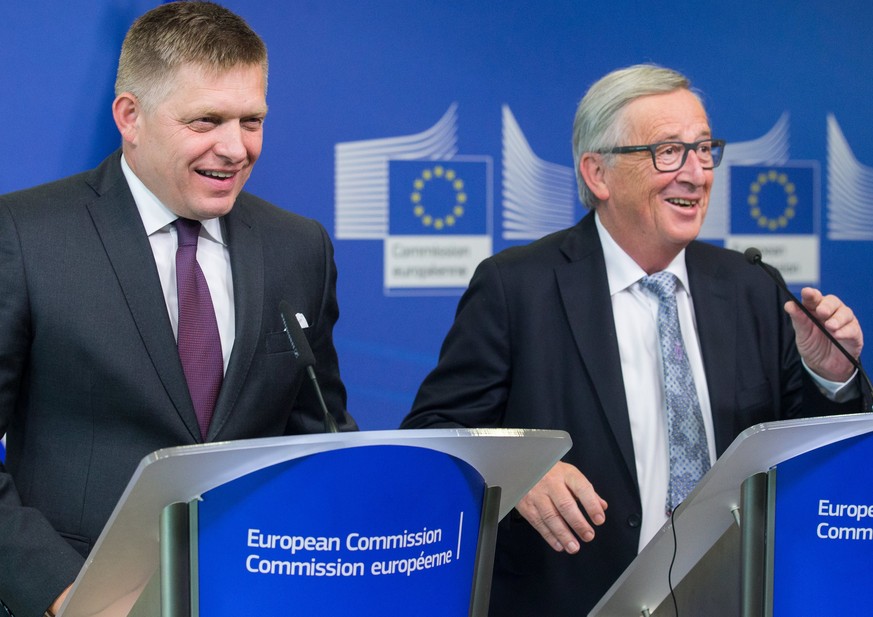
[[746, 543], [380, 522]]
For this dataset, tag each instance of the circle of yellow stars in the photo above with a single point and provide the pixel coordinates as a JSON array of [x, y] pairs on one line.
[[438, 173], [777, 222]]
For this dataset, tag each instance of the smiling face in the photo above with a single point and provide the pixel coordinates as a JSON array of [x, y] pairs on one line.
[[650, 214], [195, 150]]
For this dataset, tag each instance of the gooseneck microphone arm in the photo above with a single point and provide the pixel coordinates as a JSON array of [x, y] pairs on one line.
[[303, 353], [753, 256]]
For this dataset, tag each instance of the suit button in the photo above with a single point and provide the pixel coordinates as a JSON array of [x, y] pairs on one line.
[[634, 520]]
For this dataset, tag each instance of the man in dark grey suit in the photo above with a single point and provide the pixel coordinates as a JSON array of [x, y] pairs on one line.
[[562, 334], [91, 380]]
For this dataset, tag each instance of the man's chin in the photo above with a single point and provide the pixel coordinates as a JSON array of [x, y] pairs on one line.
[[683, 235], [211, 209]]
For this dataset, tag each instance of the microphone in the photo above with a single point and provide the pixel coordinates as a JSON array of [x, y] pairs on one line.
[[303, 353], [753, 256]]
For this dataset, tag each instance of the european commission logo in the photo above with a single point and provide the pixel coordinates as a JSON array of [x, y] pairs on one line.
[[438, 197], [774, 199], [776, 209], [432, 208], [762, 198], [439, 222]]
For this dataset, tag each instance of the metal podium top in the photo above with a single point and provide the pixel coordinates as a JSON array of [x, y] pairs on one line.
[[111, 581], [708, 511]]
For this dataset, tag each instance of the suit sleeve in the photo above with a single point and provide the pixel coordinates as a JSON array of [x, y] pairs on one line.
[[36, 564], [470, 385]]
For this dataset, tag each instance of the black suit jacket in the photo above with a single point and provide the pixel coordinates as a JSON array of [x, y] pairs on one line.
[[533, 345], [90, 378]]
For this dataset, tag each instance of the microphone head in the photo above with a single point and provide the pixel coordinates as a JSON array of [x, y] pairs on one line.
[[303, 354], [299, 345], [753, 255]]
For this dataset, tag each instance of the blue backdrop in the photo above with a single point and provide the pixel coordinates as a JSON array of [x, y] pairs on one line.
[[356, 87]]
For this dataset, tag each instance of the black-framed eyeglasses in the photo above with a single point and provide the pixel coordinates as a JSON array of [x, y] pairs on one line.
[[671, 155]]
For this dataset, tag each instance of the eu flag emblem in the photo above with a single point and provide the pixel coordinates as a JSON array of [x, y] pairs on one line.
[[773, 199], [437, 197]]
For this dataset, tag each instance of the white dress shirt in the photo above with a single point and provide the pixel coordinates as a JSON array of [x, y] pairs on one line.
[[212, 255], [636, 325]]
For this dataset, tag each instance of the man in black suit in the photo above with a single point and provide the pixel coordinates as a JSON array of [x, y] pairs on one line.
[[562, 334], [91, 379]]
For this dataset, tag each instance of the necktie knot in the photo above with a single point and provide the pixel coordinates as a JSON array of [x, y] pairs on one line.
[[662, 284], [188, 231]]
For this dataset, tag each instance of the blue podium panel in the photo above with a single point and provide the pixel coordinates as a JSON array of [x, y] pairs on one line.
[[823, 544], [374, 530]]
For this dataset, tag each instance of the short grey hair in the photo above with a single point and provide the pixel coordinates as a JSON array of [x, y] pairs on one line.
[[598, 123]]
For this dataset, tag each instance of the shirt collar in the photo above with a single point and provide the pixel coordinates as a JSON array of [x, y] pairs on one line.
[[154, 214], [623, 272]]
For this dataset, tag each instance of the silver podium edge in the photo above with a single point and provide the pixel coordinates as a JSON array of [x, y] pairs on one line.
[[512, 459]]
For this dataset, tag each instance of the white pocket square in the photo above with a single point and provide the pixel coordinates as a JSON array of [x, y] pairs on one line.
[[302, 320]]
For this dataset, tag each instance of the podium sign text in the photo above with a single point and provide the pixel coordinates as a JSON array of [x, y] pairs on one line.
[[372, 530]]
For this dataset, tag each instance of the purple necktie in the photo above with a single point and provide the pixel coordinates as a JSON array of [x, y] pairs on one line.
[[198, 341]]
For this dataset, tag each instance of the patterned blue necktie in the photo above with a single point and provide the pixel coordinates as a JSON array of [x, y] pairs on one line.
[[686, 436], [198, 341]]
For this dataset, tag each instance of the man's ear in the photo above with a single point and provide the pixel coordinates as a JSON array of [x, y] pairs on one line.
[[593, 171], [126, 111]]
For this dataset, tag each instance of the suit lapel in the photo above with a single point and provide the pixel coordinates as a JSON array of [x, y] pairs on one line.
[[713, 294], [585, 293], [247, 267], [124, 239]]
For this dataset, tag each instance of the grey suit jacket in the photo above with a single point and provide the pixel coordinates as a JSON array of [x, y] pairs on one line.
[[90, 378], [533, 345]]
